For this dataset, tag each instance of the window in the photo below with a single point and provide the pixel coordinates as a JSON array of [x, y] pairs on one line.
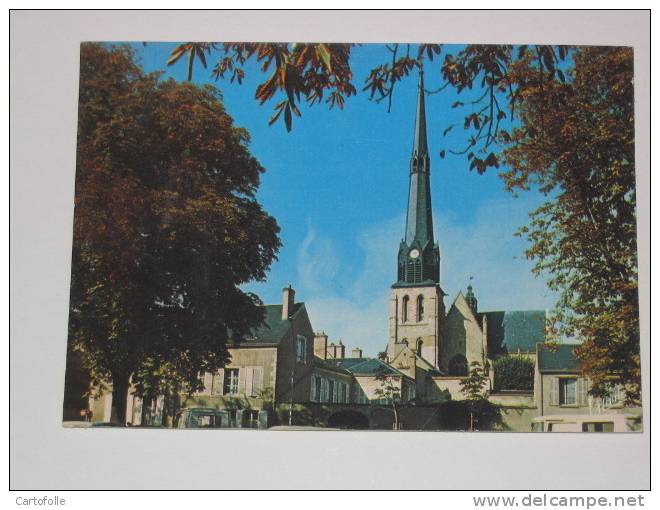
[[316, 389], [568, 391], [598, 427], [420, 343], [614, 396], [323, 390], [331, 391], [312, 388], [404, 309], [301, 349], [347, 393], [231, 381], [410, 392], [420, 308]]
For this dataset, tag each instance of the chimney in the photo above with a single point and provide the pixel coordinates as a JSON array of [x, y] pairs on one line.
[[321, 345], [332, 351], [341, 351], [356, 353], [288, 298]]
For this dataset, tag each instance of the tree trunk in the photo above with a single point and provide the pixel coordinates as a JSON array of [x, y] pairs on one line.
[[396, 417], [120, 386]]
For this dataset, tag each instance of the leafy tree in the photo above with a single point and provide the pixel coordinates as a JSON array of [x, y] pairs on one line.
[[390, 392], [576, 144], [166, 228], [514, 373], [473, 387]]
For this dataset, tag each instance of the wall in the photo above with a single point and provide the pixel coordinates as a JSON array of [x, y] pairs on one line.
[[444, 386], [428, 329], [242, 358], [370, 385], [286, 361], [518, 408], [461, 334]]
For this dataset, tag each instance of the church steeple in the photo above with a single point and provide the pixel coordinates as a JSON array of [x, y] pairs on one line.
[[419, 222], [419, 256], [419, 145]]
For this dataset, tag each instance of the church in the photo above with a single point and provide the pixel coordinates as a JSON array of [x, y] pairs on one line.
[[431, 344]]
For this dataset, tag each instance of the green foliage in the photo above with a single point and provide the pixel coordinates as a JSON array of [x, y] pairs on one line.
[[479, 414], [514, 373], [166, 228], [296, 70], [576, 144], [473, 386]]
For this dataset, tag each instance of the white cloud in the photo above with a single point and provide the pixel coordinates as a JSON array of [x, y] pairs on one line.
[[484, 248], [318, 262]]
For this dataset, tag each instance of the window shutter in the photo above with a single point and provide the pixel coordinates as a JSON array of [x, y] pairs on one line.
[[241, 380], [554, 391], [257, 381], [312, 388], [208, 381], [582, 391], [218, 382], [249, 380]]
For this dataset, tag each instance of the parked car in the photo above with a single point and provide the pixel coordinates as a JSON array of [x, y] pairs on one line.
[[205, 418]]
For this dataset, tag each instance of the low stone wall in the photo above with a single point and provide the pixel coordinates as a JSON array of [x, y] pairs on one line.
[[518, 408], [448, 387]]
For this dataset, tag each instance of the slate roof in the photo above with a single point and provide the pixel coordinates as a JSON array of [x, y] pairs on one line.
[[273, 329], [324, 364], [509, 332], [364, 366], [558, 358]]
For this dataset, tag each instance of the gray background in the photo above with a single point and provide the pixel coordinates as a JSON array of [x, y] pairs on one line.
[[43, 107]]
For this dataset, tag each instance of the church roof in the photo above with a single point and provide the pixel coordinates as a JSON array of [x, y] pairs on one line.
[[557, 358], [273, 328], [514, 331], [365, 366]]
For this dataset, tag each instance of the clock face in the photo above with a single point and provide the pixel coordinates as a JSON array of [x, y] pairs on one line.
[[414, 253]]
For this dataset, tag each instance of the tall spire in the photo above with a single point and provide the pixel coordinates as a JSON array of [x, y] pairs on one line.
[[419, 223], [419, 256], [419, 145]]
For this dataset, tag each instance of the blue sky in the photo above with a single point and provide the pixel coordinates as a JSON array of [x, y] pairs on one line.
[[338, 184]]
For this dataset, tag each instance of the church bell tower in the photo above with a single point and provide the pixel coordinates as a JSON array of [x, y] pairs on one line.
[[416, 304]]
